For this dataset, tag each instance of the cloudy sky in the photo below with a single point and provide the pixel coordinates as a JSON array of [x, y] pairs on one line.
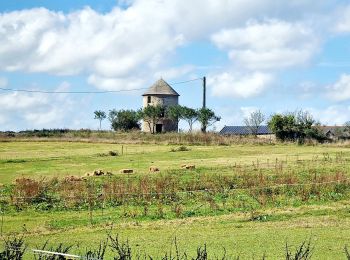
[[271, 55]]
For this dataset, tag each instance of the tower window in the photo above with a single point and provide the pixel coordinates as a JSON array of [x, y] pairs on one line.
[[149, 99]]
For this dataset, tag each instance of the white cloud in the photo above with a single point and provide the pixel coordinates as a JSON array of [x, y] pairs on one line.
[[269, 45], [2, 119], [139, 40], [175, 72], [116, 83], [3, 82], [239, 86], [340, 90], [36, 110], [18, 100], [342, 24], [113, 45], [332, 115]]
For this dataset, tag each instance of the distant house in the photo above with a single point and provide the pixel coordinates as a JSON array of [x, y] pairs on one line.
[[335, 132], [244, 130]]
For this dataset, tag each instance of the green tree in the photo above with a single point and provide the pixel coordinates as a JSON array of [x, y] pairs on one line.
[[207, 118], [295, 126], [283, 126], [174, 113], [100, 115], [254, 121], [124, 120], [151, 115], [190, 115]]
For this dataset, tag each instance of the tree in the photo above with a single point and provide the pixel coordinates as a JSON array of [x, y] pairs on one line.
[[253, 121], [295, 126], [190, 115], [207, 117], [151, 115], [174, 113], [100, 115], [347, 128], [124, 120]]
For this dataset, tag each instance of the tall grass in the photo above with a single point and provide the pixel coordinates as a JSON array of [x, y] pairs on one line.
[[136, 137], [174, 193]]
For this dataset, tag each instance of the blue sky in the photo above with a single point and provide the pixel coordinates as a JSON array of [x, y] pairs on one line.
[[256, 54]]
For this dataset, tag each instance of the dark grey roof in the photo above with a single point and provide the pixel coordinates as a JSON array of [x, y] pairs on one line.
[[161, 88], [244, 130], [331, 129]]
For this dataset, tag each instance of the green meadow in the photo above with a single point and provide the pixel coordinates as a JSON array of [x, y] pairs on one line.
[[244, 222]]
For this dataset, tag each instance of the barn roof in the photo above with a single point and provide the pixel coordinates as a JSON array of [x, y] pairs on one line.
[[161, 87], [244, 130]]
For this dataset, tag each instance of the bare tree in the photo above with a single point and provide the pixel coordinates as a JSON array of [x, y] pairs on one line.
[[254, 121]]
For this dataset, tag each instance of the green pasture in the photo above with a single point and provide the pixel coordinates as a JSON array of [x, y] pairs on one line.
[[326, 223], [59, 159]]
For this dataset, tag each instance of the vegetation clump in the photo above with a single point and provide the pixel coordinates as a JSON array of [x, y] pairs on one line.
[[181, 148]]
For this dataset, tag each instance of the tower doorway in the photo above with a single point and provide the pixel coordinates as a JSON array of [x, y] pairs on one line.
[[159, 128]]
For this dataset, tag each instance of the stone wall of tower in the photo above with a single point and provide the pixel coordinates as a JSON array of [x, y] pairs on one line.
[[165, 101]]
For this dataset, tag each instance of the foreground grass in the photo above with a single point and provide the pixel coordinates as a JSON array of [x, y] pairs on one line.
[[327, 226]]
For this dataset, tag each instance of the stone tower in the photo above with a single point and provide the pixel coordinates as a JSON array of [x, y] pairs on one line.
[[161, 93]]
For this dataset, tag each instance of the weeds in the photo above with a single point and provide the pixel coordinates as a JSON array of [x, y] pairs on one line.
[[347, 252], [303, 252], [14, 249], [121, 250], [117, 249], [98, 253], [60, 249]]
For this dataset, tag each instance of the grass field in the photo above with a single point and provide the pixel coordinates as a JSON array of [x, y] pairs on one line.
[[242, 230]]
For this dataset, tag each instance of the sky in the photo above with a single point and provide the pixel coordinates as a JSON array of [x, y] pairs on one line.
[[276, 56]]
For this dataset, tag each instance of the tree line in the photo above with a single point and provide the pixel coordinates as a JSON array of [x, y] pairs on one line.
[[290, 126], [128, 119], [293, 126]]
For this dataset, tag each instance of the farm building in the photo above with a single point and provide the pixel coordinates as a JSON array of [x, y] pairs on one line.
[[161, 93], [335, 132], [244, 130]]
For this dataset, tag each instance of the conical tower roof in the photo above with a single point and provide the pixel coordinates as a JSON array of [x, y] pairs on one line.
[[161, 87]]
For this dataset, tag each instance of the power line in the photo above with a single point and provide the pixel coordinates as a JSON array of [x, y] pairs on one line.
[[69, 92], [181, 82], [88, 92]]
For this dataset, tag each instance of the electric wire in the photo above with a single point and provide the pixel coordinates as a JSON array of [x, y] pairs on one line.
[[89, 92]]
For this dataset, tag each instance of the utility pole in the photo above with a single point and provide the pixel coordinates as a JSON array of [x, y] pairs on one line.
[[204, 91], [204, 129]]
